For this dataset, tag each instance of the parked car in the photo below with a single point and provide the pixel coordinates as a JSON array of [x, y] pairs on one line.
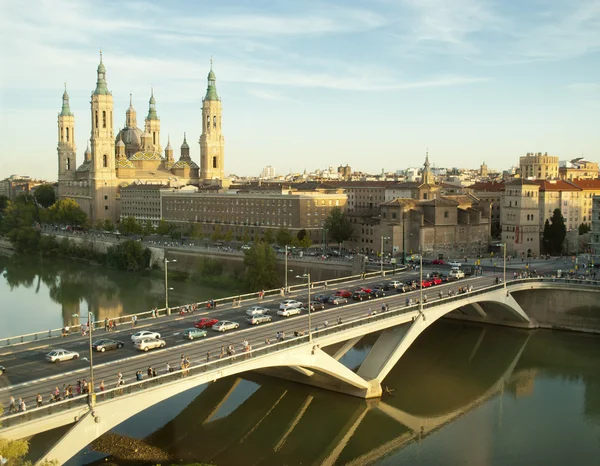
[[361, 295], [191, 333], [290, 311], [59, 355], [144, 334], [258, 319], [290, 304], [205, 322], [335, 300], [343, 293], [224, 325], [316, 306], [457, 273], [454, 264], [2, 370], [257, 310], [438, 262], [146, 344], [395, 283], [107, 344]]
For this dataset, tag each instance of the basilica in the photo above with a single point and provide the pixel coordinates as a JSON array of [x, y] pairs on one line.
[[133, 156]]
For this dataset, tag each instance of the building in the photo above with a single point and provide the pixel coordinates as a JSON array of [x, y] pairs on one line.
[[491, 192], [595, 231], [15, 185], [268, 173], [112, 162], [539, 166], [520, 218], [345, 172], [483, 170], [578, 169]]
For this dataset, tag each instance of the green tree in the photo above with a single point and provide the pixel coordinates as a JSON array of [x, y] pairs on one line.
[[16, 215], [554, 233], [107, 225], [283, 237], [163, 228], [339, 226], [261, 267], [3, 202], [246, 236], [584, 228], [267, 236], [67, 212], [301, 234], [130, 226], [196, 231], [546, 237], [127, 255], [25, 238], [148, 229], [306, 242], [45, 195], [216, 234], [228, 236]]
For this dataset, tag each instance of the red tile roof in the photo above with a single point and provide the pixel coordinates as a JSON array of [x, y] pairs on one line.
[[587, 184], [556, 185], [487, 186]]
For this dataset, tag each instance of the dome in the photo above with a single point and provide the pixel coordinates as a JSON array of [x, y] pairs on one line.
[[131, 137], [148, 155]]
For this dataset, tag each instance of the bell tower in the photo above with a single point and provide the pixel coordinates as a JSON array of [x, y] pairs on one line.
[[212, 142], [153, 123], [66, 144]]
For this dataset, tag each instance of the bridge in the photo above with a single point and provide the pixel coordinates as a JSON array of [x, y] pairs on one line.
[[311, 359]]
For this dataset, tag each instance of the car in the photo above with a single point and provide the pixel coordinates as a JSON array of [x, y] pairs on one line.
[[425, 284], [258, 319], [290, 311], [365, 289], [438, 261], [361, 295], [146, 344], [257, 310], [316, 306], [191, 333], [343, 293], [59, 355], [2, 370], [402, 289], [377, 293], [224, 325], [435, 281], [107, 344], [335, 300], [454, 264], [144, 334], [395, 283], [205, 322], [382, 286], [321, 298], [290, 304], [457, 273]]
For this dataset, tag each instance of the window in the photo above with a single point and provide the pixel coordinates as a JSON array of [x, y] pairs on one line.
[[214, 164], [103, 119], [106, 198], [96, 119], [68, 162], [393, 215], [67, 134], [446, 214], [214, 121], [105, 161], [105, 207], [207, 121]]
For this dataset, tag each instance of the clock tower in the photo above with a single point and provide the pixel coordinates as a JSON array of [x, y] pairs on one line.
[[212, 142]]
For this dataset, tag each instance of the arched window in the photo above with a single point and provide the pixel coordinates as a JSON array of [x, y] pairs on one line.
[[214, 162], [105, 161], [214, 121], [153, 137], [96, 120], [68, 163], [67, 134], [207, 121], [62, 134], [103, 118]]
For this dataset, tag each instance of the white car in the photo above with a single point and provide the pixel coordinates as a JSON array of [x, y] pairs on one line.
[[145, 344], [258, 319], [58, 355], [223, 325], [144, 334], [290, 304], [289, 311], [395, 283], [257, 310], [454, 264], [457, 273]]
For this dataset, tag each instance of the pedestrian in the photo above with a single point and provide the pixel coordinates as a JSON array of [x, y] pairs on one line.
[[339, 320], [102, 385], [222, 355], [134, 320], [383, 307], [267, 341], [149, 371], [114, 324], [207, 356], [138, 375], [22, 405], [106, 327], [12, 406], [168, 368], [120, 380], [153, 372], [326, 324], [39, 400]]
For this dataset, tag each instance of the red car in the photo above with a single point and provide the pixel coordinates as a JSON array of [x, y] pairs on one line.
[[425, 284], [205, 322], [438, 262], [343, 293], [365, 289], [435, 281]]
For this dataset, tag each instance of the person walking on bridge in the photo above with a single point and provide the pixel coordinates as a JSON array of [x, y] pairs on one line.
[[12, 407], [39, 400]]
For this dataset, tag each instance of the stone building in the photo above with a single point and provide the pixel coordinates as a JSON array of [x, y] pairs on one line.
[[539, 166], [491, 192], [578, 169], [595, 231], [113, 162], [521, 218]]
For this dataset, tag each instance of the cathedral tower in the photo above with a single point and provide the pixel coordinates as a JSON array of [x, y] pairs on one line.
[[153, 123], [66, 143], [103, 150], [212, 142]]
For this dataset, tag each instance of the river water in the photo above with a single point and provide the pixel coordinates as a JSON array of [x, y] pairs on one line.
[[462, 394]]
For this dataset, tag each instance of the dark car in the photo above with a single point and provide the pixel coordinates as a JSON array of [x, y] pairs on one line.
[[361, 295], [403, 289], [382, 286], [321, 298], [205, 322], [107, 344], [377, 293]]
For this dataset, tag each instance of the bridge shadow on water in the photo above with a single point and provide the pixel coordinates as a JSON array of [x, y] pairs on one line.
[[452, 369]]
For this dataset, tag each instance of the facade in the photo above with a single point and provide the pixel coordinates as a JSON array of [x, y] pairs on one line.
[[15, 185], [595, 231], [578, 169], [345, 172], [491, 192], [520, 219], [111, 163], [268, 173], [539, 166]]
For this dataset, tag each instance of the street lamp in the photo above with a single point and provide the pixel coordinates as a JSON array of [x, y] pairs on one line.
[[286, 268], [167, 285], [381, 254], [307, 276], [92, 397], [504, 265], [421, 283]]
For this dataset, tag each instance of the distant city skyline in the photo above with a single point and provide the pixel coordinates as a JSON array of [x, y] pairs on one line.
[[308, 85]]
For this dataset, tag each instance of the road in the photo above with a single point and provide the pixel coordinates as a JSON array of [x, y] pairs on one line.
[[28, 373]]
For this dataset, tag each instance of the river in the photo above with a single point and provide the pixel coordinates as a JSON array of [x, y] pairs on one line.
[[461, 395]]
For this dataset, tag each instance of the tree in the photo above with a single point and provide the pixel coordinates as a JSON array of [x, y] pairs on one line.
[[228, 236], [107, 225], [3, 203], [216, 234], [17, 215], [130, 226], [267, 236], [128, 255], [148, 229], [301, 234], [196, 231], [45, 195], [306, 242], [163, 227], [261, 267], [338, 225], [584, 228], [283, 237], [554, 233], [67, 212]]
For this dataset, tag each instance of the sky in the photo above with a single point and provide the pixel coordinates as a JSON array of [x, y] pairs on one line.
[[311, 84]]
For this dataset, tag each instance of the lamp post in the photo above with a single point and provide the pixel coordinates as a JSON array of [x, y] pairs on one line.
[[307, 276], [504, 265], [381, 254], [403, 238], [286, 268], [92, 398], [421, 283], [167, 285]]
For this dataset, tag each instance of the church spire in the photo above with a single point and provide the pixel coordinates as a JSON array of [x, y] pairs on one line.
[[101, 86], [152, 107], [66, 109], [211, 90], [130, 114]]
